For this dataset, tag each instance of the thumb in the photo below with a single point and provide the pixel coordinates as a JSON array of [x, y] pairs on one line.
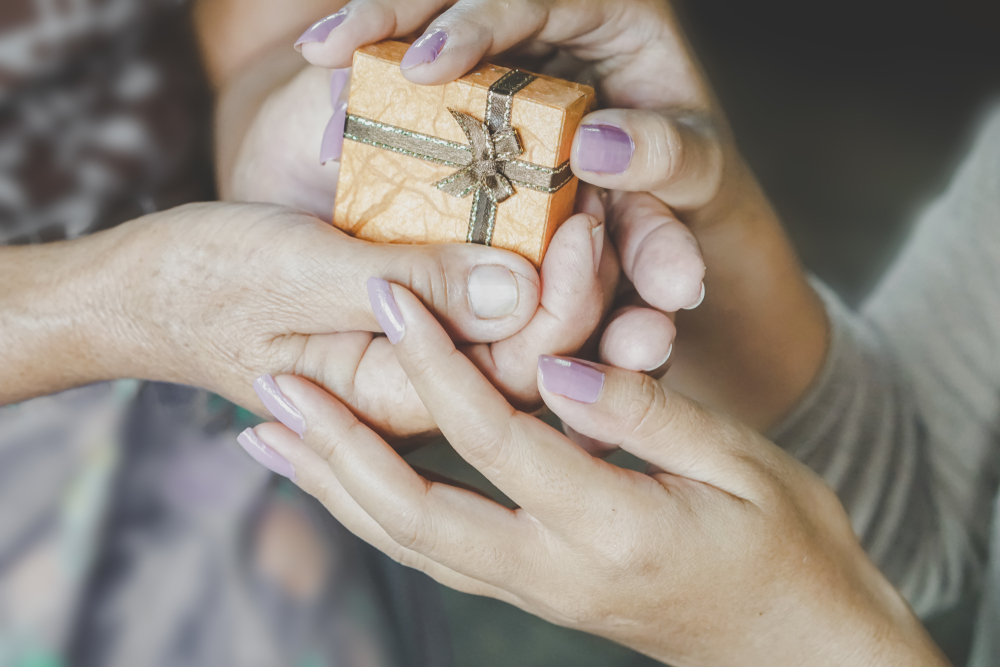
[[674, 156], [635, 412], [479, 294]]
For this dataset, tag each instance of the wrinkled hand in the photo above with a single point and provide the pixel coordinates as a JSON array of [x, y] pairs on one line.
[[727, 553], [216, 295]]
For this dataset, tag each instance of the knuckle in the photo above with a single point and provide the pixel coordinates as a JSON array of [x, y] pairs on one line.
[[381, 14], [428, 279], [330, 444], [488, 451], [642, 407], [410, 531], [668, 151], [587, 609]]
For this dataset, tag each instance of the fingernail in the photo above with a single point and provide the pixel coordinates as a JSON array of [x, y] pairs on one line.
[[492, 291], [279, 405], [597, 237], [670, 350], [320, 30], [264, 455], [333, 137], [604, 149], [385, 309], [700, 299], [571, 379], [424, 50]]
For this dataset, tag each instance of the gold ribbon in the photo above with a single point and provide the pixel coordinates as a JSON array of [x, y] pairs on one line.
[[486, 167]]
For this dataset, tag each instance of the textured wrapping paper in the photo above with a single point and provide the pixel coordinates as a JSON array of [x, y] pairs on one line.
[[483, 159]]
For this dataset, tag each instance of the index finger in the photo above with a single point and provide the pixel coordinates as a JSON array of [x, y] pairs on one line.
[[535, 465], [638, 414]]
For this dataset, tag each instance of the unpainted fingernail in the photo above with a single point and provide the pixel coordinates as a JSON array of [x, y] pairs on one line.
[[279, 405], [701, 298], [571, 379], [320, 30], [424, 50], [385, 309], [604, 149], [493, 291], [332, 146], [597, 237], [670, 351], [265, 455]]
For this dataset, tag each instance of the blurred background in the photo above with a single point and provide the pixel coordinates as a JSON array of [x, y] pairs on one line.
[[853, 115]]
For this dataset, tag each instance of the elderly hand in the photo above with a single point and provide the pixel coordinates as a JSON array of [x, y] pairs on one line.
[[216, 295], [727, 553]]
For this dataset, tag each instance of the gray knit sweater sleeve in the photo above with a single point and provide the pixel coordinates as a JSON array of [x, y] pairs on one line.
[[903, 420]]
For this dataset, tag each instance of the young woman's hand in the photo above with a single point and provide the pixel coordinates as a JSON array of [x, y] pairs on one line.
[[727, 552], [216, 295], [678, 182]]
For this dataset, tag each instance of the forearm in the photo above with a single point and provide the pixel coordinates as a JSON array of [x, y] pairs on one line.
[[755, 345], [233, 34], [61, 324]]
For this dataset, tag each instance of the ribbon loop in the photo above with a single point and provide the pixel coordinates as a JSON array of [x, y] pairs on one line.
[[489, 153]]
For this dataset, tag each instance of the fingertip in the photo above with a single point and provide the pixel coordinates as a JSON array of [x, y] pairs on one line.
[[638, 339], [318, 32], [700, 300], [659, 254], [425, 50], [601, 149], [446, 52]]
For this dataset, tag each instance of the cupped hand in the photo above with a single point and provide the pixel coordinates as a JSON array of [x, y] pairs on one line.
[[662, 137], [728, 552], [278, 141], [216, 295]]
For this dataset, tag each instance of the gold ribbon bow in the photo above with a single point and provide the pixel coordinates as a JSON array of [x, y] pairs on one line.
[[490, 152]]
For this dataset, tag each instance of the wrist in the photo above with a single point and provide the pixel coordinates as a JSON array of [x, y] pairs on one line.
[[754, 347], [61, 324]]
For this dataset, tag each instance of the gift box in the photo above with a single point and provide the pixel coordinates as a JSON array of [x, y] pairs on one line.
[[484, 159]]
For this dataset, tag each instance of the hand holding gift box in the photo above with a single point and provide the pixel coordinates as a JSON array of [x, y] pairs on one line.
[[484, 159]]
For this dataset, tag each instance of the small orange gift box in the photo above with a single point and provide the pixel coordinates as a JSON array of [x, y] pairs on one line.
[[484, 159]]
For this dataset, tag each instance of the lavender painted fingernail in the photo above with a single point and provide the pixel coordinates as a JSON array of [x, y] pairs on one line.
[[604, 149], [279, 405], [424, 50], [332, 146], [571, 379], [385, 309], [320, 30], [265, 455]]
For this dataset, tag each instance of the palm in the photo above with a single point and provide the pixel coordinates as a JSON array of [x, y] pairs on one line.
[[279, 159]]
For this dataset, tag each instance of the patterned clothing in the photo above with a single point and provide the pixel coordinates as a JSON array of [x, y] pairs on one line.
[[129, 519]]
